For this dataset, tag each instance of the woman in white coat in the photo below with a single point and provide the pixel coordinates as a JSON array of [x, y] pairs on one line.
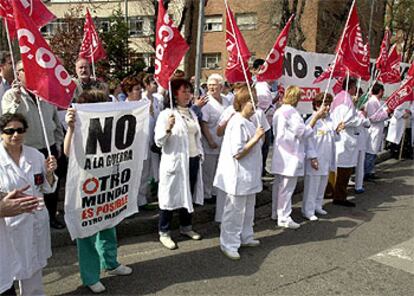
[[178, 134], [396, 127], [239, 175], [26, 236], [288, 159], [321, 146]]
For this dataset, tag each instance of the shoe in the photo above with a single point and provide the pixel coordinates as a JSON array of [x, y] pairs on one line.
[[344, 203], [167, 242], [56, 224], [121, 270], [253, 243], [191, 234], [97, 288], [359, 191], [321, 212], [311, 218], [288, 224], [233, 255]]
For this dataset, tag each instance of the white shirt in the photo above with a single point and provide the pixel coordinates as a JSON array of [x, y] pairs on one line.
[[239, 177], [377, 118], [264, 94], [258, 117]]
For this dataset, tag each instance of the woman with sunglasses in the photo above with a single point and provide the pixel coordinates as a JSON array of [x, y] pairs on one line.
[[25, 238]]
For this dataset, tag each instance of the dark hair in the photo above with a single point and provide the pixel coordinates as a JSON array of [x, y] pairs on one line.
[[129, 82], [4, 55], [176, 84], [92, 96], [317, 101], [352, 82], [377, 88], [6, 118], [257, 63], [148, 78]]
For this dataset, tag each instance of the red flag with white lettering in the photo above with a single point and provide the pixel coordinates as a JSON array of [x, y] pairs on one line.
[[235, 43], [410, 72], [403, 94], [391, 72], [35, 9], [91, 45], [45, 75], [381, 62], [170, 47], [272, 69]]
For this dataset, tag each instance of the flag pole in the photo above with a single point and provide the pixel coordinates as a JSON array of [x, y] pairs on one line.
[[337, 53], [42, 121], [242, 63], [10, 48], [170, 95], [199, 49], [93, 63]]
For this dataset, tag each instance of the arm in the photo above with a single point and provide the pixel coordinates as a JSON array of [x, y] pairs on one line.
[[206, 132], [374, 113], [15, 203], [59, 134], [250, 144], [163, 127], [11, 102], [70, 120]]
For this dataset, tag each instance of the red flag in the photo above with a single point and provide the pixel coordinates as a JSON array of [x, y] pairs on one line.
[[35, 9], [91, 45], [381, 62], [170, 47], [391, 72], [45, 75], [272, 69], [403, 94], [235, 43], [410, 72]]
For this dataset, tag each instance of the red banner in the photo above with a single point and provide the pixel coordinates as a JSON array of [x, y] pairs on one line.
[[91, 45], [238, 53], [170, 47], [45, 75], [403, 94], [35, 9], [381, 63], [391, 72], [272, 69]]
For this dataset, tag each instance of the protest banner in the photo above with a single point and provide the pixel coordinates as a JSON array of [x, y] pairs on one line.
[[105, 163], [301, 68]]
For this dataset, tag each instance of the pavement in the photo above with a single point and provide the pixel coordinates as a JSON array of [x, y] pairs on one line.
[[367, 250]]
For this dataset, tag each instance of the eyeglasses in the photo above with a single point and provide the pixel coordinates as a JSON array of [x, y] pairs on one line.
[[11, 131]]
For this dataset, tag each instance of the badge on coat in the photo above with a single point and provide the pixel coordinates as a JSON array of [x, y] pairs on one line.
[[39, 179]]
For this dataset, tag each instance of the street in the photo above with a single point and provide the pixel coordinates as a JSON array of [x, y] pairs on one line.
[[367, 250]]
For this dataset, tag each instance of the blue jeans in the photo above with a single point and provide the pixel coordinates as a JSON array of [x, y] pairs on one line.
[[369, 163]]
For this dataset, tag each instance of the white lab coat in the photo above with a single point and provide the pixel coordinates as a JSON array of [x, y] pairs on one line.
[[362, 133], [174, 184], [377, 118], [258, 117], [322, 147], [264, 94], [243, 176], [27, 234], [289, 145], [397, 124], [343, 110]]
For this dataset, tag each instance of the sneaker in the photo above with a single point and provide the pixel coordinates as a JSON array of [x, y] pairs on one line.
[[252, 243], [288, 224], [121, 270], [311, 218], [167, 242], [344, 203], [97, 288], [321, 212], [233, 255], [359, 191], [191, 234]]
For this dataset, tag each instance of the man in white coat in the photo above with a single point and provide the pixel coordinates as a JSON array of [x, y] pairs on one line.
[[343, 111], [377, 117]]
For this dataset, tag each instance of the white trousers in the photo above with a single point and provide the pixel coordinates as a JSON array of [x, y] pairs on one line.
[[286, 187], [313, 194], [209, 170], [32, 286], [144, 186], [275, 189], [359, 170], [237, 221], [220, 202]]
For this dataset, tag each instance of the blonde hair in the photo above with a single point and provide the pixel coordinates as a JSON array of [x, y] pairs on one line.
[[292, 95], [242, 96]]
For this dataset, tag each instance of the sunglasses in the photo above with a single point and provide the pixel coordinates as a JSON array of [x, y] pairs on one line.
[[11, 131]]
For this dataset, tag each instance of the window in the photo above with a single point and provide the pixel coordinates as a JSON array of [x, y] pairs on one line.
[[104, 25], [52, 28], [136, 26], [213, 23], [211, 60], [246, 21]]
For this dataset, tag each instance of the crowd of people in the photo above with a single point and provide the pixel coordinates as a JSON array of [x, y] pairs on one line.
[[207, 149]]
